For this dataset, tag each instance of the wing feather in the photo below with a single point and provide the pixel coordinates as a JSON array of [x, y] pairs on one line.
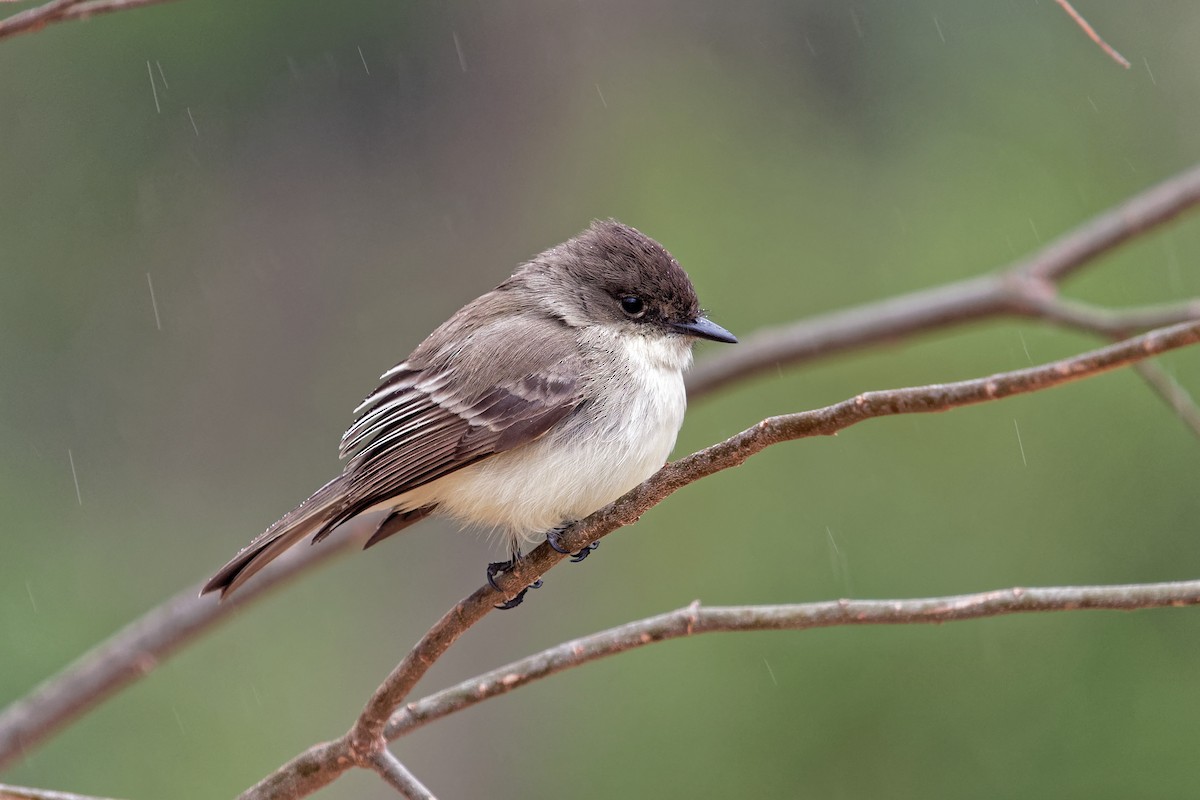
[[434, 414], [471, 390]]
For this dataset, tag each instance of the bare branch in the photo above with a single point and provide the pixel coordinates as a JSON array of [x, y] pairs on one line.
[[315, 768], [38, 17], [1112, 323], [1116, 324], [1091, 34], [835, 418], [1159, 204], [695, 619], [366, 738], [1174, 395], [32, 19], [860, 326], [398, 776], [1028, 288], [1024, 288], [26, 793], [135, 650]]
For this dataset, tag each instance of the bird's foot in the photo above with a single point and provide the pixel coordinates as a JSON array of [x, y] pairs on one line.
[[519, 597], [552, 539], [500, 567]]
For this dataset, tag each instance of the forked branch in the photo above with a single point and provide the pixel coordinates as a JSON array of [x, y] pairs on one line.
[[366, 739], [1026, 288]]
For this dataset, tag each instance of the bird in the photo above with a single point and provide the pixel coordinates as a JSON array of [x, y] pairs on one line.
[[531, 407]]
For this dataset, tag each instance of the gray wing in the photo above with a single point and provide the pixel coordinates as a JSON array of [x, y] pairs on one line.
[[444, 408], [422, 424]]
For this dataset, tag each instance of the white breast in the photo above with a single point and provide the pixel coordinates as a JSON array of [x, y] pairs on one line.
[[620, 437]]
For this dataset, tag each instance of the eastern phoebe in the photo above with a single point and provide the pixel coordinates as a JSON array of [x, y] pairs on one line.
[[533, 406]]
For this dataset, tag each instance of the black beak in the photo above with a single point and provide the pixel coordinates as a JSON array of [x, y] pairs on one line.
[[704, 328]]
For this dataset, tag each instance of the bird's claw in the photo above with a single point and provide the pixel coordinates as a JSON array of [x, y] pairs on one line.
[[519, 597], [584, 553], [552, 539], [499, 567]]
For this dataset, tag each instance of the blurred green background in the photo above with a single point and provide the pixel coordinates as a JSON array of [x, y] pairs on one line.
[[321, 184]]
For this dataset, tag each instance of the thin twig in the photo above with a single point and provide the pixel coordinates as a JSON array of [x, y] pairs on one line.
[[1111, 323], [26, 793], [32, 19], [136, 649], [1144, 211], [398, 776], [694, 620], [1091, 34], [1116, 324], [38, 17], [366, 738], [1174, 395]]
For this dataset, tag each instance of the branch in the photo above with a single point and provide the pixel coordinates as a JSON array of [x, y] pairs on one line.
[[26, 793], [315, 768], [136, 649], [1024, 289], [322, 764], [1091, 34], [1115, 324], [366, 738], [1111, 323], [38, 17], [694, 620], [1171, 393], [398, 776]]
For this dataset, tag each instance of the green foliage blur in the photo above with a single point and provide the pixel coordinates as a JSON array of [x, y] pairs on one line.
[[220, 221]]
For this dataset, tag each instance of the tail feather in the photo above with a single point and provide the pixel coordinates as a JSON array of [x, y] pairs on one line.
[[309, 517], [397, 521]]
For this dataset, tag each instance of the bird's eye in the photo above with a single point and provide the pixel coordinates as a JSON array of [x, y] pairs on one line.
[[633, 306]]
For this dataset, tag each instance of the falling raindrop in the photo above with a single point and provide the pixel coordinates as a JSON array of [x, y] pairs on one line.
[[74, 476], [1020, 444], [153, 89]]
